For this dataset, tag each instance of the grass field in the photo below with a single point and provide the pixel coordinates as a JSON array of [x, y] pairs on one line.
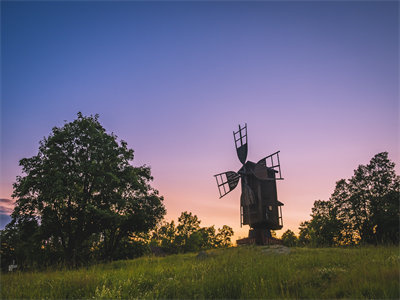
[[245, 272]]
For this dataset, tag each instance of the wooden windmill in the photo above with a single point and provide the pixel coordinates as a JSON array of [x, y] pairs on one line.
[[259, 205]]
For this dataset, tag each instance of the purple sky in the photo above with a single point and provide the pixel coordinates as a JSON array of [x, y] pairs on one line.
[[316, 80]]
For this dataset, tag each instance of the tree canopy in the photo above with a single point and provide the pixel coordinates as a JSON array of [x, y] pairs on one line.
[[362, 209], [81, 188], [289, 238], [189, 236]]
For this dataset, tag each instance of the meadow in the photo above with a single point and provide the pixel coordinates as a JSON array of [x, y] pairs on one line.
[[242, 272]]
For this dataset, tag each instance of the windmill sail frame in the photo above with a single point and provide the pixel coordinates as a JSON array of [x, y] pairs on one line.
[[226, 182], [240, 138], [268, 162]]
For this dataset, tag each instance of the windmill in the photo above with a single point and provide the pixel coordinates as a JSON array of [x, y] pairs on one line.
[[259, 205]]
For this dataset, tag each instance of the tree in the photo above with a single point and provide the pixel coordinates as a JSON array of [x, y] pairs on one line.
[[188, 236], [364, 208], [325, 227], [345, 213], [385, 196], [208, 238], [81, 184], [289, 238], [224, 236], [304, 233], [20, 241], [368, 203], [188, 224], [164, 237]]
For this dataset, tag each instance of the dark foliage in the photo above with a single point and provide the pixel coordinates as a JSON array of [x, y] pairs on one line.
[[363, 209], [188, 236], [289, 239], [79, 198]]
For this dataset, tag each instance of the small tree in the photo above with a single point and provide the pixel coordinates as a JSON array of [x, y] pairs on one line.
[[165, 236], [189, 236], [224, 236], [20, 241], [208, 237], [289, 238], [304, 234], [188, 225]]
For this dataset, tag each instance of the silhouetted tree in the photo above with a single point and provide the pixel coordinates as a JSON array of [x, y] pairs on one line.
[[20, 242], [188, 224], [224, 236], [384, 195], [189, 236], [325, 227], [368, 203], [81, 184], [164, 237], [208, 237], [344, 213], [363, 209], [304, 234], [289, 239]]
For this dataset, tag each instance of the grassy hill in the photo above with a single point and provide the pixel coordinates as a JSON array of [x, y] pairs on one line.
[[245, 272]]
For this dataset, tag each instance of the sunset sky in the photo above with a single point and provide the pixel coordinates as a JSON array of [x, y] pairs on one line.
[[316, 80]]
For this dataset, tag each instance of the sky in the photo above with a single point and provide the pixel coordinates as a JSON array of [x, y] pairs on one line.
[[317, 80]]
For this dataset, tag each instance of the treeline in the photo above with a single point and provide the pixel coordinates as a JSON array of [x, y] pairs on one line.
[[80, 200], [188, 236], [24, 243], [361, 210]]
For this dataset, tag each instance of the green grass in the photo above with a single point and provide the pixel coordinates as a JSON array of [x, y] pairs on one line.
[[245, 272]]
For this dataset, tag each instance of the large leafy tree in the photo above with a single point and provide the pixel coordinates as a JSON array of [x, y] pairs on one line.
[[368, 203], [364, 208], [81, 183], [384, 192]]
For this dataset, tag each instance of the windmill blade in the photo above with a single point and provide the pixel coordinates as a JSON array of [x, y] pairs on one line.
[[268, 168], [240, 138], [226, 182]]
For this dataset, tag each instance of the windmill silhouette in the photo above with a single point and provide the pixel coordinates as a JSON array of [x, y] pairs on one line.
[[259, 205]]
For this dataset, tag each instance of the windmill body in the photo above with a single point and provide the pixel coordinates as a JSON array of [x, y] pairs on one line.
[[259, 205]]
